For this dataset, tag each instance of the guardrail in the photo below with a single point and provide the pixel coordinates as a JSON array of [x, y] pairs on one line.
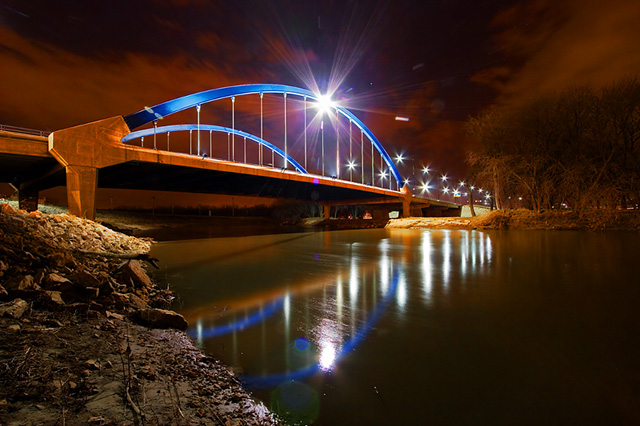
[[23, 130]]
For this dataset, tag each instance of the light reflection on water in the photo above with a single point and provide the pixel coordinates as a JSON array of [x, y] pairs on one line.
[[325, 315]]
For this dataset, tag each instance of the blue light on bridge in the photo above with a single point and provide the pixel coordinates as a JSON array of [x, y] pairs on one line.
[[150, 114], [208, 127]]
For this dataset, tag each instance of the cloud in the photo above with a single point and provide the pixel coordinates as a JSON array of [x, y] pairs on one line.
[[551, 45], [49, 88]]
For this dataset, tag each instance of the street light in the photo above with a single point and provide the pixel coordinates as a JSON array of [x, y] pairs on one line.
[[399, 158], [351, 165], [425, 169], [444, 178], [325, 103], [425, 187]]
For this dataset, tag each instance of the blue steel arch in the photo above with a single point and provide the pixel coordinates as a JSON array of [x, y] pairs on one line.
[[209, 127], [147, 115]]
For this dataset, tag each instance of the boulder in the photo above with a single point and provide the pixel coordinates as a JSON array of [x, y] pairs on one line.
[[24, 286], [14, 309], [52, 299], [133, 271], [160, 318], [136, 302], [57, 282], [85, 279]]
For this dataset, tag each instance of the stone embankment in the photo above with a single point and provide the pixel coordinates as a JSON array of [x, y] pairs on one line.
[[87, 338]]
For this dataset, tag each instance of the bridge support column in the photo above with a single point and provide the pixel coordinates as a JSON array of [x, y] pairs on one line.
[[28, 200], [326, 211], [406, 201], [82, 182]]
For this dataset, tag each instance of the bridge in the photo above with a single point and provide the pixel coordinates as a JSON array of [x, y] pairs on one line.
[[316, 150]]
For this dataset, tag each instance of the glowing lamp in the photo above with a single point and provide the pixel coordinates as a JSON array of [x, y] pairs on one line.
[[325, 103]]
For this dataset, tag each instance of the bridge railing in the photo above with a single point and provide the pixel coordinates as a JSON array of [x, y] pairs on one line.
[[23, 130]]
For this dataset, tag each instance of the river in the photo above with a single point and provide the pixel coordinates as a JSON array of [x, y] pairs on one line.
[[416, 327]]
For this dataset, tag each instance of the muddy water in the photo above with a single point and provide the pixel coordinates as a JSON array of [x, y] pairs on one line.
[[382, 327]]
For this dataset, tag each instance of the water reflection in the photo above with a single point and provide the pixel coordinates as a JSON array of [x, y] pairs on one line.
[[332, 313], [426, 312]]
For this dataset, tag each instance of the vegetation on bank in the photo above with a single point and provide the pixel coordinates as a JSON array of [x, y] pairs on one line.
[[593, 220], [578, 148]]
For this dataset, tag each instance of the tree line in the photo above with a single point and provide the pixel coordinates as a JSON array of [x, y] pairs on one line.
[[578, 148]]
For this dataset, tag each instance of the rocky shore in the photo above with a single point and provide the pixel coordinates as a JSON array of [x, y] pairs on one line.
[[599, 220], [87, 338]]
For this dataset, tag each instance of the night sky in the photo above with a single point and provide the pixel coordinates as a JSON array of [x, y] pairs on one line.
[[65, 63]]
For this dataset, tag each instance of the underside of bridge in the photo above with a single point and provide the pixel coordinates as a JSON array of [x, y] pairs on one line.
[[167, 177]]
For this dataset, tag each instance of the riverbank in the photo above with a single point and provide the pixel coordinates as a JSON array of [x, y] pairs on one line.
[[87, 339], [601, 220]]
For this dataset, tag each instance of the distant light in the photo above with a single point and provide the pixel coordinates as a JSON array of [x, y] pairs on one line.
[[398, 118], [472, 187], [444, 178], [316, 181], [406, 181], [426, 187], [445, 190], [399, 158], [461, 183], [351, 165], [383, 175], [479, 189], [425, 169]]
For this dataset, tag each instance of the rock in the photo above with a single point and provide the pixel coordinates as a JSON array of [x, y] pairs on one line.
[[132, 270], [50, 322], [8, 210], [57, 282], [52, 299], [14, 309], [77, 307], [86, 279], [136, 302], [3, 292], [92, 364], [22, 286], [56, 260], [119, 300], [110, 315], [162, 299], [160, 318], [14, 327]]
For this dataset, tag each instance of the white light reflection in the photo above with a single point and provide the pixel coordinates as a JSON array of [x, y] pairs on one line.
[[384, 266], [464, 252], [199, 332], [446, 257], [328, 338], [427, 265], [401, 293], [353, 283], [287, 309], [339, 301], [488, 249], [327, 356]]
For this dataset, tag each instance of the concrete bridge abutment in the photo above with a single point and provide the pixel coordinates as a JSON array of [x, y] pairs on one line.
[[83, 150]]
